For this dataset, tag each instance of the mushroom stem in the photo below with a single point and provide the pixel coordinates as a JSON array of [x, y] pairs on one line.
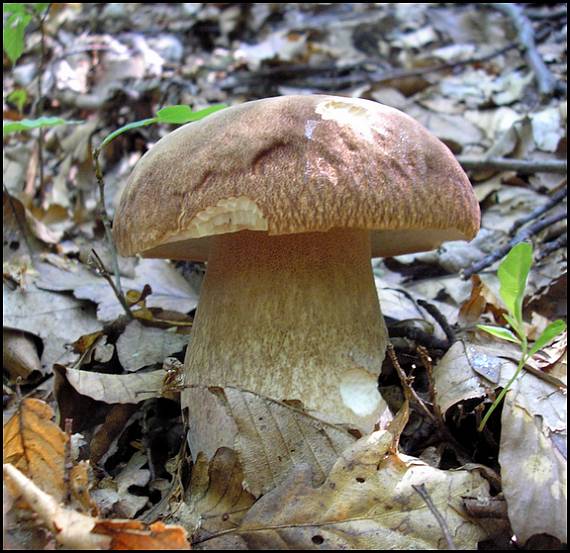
[[292, 317]]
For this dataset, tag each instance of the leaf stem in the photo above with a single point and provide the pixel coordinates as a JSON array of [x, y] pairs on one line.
[[524, 358]]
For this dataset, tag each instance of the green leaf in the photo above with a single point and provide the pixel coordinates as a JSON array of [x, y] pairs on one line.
[[548, 334], [10, 127], [18, 98], [127, 127], [40, 7], [13, 8], [13, 34], [500, 332], [181, 114], [513, 273]]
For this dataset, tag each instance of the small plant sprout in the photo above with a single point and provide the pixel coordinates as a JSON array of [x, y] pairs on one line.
[[513, 273]]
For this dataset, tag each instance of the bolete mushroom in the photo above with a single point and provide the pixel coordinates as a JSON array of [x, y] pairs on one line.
[[287, 199]]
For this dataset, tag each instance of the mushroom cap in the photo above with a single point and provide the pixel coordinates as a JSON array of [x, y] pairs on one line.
[[295, 164]]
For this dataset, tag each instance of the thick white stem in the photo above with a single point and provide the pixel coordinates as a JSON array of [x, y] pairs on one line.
[[293, 317]]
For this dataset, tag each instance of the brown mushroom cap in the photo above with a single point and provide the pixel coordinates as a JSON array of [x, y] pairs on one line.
[[295, 164]]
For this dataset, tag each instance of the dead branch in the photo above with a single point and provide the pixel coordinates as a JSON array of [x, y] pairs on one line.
[[521, 236], [107, 226], [423, 493], [440, 319], [102, 270], [522, 166], [547, 83], [554, 200]]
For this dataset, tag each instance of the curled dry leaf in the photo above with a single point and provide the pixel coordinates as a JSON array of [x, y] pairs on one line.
[[366, 502], [19, 354], [35, 445]]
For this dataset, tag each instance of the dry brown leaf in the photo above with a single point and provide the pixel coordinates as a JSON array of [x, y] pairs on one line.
[[366, 502], [19, 354], [482, 300], [216, 500], [269, 436], [534, 473], [35, 445], [138, 536]]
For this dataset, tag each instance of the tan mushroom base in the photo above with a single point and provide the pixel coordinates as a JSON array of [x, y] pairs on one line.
[[292, 317]]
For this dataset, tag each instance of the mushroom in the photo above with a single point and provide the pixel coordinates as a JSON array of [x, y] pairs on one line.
[[287, 199]]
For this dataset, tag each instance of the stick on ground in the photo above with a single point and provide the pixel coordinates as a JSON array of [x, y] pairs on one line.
[[521, 236], [524, 167], [547, 83]]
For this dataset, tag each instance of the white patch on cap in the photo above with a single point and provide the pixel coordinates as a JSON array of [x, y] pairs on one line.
[[359, 392], [228, 215], [350, 112]]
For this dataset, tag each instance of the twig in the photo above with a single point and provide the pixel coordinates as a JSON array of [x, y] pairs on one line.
[[291, 74], [107, 224], [68, 462], [440, 319], [105, 274], [550, 13], [524, 167], [546, 81], [521, 236], [418, 335], [38, 108], [554, 200], [427, 362], [406, 381], [423, 493], [549, 247]]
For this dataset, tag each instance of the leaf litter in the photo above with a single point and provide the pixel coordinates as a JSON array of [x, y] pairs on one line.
[[455, 68]]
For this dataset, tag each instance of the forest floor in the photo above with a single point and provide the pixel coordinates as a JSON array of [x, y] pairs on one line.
[[489, 80]]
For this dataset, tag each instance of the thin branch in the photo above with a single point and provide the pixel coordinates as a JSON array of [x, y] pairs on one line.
[[554, 200], [549, 247], [547, 83], [105, 274], [521, 236], [440, 319], [522, 166], [423, 493], [107, 225], [406, 381]]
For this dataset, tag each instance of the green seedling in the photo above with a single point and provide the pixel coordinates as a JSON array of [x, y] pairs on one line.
[[9, 127], [513, 274], [17, 17], [174, 115]]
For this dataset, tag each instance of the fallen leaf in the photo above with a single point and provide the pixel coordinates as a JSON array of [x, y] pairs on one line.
[[35, 445], [533, 473], [140, 346], [216, 500], [137, 536], [57, 319], [116, 388], [366, 502], [269, 437], [19, 354]]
